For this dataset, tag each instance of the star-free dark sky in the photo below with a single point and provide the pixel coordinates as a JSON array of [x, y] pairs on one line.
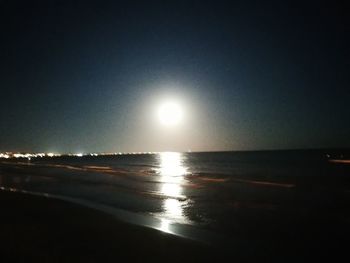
[[83, 76]]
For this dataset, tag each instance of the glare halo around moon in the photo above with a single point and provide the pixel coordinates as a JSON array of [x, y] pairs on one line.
[[170, 113]]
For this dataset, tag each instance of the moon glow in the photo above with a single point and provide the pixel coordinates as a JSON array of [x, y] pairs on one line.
[[170, 113]]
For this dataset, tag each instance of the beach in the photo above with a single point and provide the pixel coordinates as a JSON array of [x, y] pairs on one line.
[[256, 207], [39, 229], [42, 229]]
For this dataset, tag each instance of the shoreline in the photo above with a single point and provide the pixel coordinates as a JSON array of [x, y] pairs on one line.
[[266, 222], [44, 229], [36, 228], [145, 221]]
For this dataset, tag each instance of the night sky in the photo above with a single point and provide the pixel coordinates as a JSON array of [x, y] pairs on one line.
[[87, 77]]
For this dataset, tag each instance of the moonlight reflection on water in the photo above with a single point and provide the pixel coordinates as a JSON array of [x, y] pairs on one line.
[[172, 172]]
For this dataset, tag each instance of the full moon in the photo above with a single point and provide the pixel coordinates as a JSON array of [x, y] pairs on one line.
[[170, 113]]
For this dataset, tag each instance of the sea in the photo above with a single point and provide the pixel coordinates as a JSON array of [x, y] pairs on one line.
[[205, 196]]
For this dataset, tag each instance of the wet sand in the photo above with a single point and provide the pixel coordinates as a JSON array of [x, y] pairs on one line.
[[39, 229]]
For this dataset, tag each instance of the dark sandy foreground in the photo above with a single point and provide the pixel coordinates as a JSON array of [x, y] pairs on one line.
[[39, 229], [313, 227]]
